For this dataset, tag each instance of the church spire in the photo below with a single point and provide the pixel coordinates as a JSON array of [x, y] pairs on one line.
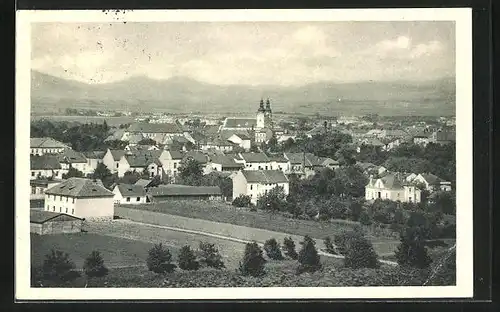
[[268, 105], [261, 106]]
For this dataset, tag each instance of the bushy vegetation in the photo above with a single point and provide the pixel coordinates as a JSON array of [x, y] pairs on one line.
[[253, 262], [309, 260], [72, 173], [273, 250], [58, 267], [412, 251], [191, 173], [210, 256], [94, 265], [159, 259], [358, 251], [329, 245], [242, 201], [274, 200], [289, 247], [187, 259]]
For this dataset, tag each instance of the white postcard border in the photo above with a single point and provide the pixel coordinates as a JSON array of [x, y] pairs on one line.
[[463, 22]]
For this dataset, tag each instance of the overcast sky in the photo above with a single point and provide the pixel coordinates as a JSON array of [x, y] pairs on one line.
[[284, 53]]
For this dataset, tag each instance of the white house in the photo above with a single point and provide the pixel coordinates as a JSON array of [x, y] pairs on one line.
[[112, 159], [279, 163], [170, 161], [303, 164], [70, 158], [41, 146], [392, 187], [255, 161], [432, 182], [83, 198], [130, 194], [93, 159], [140, 161], [46, 166], [242, 140], [222, 163], [255, 183]]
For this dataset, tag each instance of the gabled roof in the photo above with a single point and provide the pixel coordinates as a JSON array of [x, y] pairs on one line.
[[240, 122], [278, 158], [80, 187], [142, 158], [117, 154], [255, 157], [176, 154], [155, 128], [46, 143], [42, 216], [94, 154], [326, 160], [143, 182], [264, 176], [44, 162], [131, 190], [196, 155], [71, 157], [225, 161], [392, 181], [299, 158], [183, 190], [431, 178]]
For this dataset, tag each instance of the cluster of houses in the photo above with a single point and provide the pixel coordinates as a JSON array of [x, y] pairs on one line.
[[156, 151]]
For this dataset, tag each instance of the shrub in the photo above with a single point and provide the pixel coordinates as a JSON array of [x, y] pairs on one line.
[[58, 267], [343, 239], [364, 218], [359, 252], [253, 262], [242, 201], [273, 250], [289, 246], [210, 256], [159, 259], [329, 245], [187, 260], [309, 260], [94, 265], [412, 251], [274, 200], [355, 210]]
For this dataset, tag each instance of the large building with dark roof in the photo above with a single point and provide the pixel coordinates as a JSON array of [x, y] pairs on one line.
[[46, 166], [255, 183], [83, 198], [184, 192], [41, 146], [262, 120]]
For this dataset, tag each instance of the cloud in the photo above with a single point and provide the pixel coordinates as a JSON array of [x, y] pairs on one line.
[[286, 53]]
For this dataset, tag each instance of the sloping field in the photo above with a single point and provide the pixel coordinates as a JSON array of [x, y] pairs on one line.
[[234, 231], [116, 251]]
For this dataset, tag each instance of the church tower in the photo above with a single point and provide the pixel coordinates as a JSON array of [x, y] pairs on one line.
[[261, 116], [268, 115]]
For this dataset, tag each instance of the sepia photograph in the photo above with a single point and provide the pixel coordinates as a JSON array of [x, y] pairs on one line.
[[275, 153]]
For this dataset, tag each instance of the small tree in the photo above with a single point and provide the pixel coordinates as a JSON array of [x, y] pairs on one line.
[[58, 267], [159, 259], [274, 200], [359, 252], [412, 251], [329, 245], [364, 218], [309, 260], [289, 247], [72, 172], [94, 265], [210, 256], [187, 260], [273, 250], [242, 201], [253, 262]]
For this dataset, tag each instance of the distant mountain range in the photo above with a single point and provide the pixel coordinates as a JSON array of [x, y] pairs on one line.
[[181, 94]]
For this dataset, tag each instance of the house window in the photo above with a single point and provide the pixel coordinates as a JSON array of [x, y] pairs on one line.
[[138, 199], [175, 165], [251, 187], [48, 207], [409, 199], [117, 165], [33, 190], [67, 199], [60, 198], [66, 210], [73, 200], [32, 173], [266, 167], [128, 199], [53, 208], [72, 211], [60, 209], [56, 173]]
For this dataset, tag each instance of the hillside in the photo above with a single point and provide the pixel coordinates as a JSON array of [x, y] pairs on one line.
[[181, 94]]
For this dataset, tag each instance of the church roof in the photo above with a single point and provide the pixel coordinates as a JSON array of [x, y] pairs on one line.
[[240, 122]]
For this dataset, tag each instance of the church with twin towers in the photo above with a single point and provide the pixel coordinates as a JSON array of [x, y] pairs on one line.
[[261, 125]]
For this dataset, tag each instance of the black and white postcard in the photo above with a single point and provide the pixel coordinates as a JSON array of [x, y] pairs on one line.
[[243, 154]]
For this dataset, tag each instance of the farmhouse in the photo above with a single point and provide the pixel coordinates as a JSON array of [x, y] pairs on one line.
[[129, 194], [184, 192], [41, 146], [432, 182], [255, 183], [46, 222], [392, 187], [84, 198], [45, 166]]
